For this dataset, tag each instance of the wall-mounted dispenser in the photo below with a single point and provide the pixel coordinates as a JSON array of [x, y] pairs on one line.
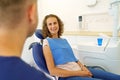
[[80, 22]]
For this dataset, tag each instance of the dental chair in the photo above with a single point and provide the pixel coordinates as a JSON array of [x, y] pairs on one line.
[[39, 57], [38, 54]]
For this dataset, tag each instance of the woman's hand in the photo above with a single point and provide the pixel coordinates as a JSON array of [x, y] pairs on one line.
[[83, 68], [87, 74]]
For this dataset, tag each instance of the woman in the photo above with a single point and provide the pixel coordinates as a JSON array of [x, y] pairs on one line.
[[59, 56]]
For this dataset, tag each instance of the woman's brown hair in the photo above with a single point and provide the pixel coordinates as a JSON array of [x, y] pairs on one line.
[[45, 31]]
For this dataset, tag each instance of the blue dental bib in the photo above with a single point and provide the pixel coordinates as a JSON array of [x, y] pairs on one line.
[[61, 51]]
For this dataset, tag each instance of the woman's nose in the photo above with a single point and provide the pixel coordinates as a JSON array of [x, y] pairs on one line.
[[53, 25]]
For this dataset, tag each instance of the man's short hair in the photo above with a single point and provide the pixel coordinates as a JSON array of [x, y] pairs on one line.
[[11, 10]]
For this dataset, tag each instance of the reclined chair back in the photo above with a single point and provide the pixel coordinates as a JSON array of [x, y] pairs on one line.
[[37, 52], [39, 57]]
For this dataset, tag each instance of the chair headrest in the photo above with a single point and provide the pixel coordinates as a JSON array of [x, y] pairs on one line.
[[38, 33]]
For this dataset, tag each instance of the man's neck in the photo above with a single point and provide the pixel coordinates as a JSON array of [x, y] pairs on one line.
[[11, 45]]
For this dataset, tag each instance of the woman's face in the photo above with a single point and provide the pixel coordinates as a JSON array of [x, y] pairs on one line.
[[53, 26]]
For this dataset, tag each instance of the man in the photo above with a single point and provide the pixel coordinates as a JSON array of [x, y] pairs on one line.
[[18, 20]]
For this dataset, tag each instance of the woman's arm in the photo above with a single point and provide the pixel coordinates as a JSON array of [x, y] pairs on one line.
[[54, 71]]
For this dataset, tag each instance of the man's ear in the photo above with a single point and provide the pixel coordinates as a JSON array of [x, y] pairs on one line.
[[31, 13]]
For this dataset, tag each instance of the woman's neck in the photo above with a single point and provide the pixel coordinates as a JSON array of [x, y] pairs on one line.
[[55, 36]]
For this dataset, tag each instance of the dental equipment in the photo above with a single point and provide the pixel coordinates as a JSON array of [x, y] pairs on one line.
[[114, 11]]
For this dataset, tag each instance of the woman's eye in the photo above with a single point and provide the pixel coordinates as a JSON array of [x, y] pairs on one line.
[[50, 24], [55, 22]]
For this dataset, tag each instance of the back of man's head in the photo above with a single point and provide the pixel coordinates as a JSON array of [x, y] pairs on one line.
[[12, 11], [18, 20]]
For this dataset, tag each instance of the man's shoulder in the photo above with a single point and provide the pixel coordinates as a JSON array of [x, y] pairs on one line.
[[17, 69]]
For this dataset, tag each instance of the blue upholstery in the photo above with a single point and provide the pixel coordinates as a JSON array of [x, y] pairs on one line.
[[39, 57], [38, 33], [38, 53]]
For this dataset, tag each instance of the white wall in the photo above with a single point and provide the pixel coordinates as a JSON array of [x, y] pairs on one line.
[[69, 10]]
